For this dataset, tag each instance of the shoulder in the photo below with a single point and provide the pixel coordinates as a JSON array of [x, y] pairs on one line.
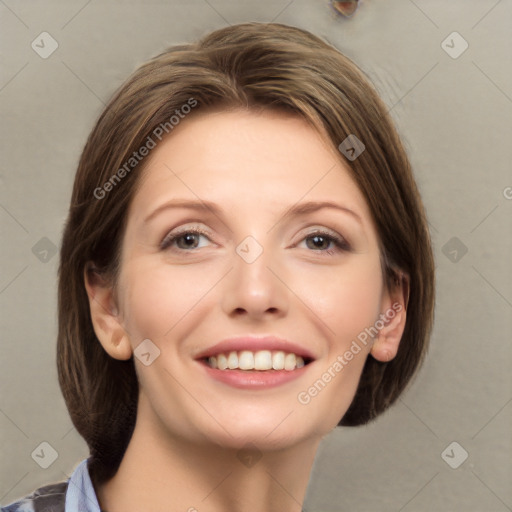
[[49, 498]]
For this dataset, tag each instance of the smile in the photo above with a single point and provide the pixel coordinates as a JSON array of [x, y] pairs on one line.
[[261, 360], [255, 362]]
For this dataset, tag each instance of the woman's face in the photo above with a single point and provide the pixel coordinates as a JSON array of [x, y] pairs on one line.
[[255, 255]]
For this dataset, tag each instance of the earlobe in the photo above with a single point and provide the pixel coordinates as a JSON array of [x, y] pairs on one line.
[[387, 341], [105, 315]]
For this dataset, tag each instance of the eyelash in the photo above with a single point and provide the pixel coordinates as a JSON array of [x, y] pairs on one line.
[[340, 243]]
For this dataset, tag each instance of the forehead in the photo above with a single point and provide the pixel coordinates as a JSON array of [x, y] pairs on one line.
[[247, 158]]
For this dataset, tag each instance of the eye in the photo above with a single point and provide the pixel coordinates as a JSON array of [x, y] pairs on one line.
[[326, 242], [185, 239], [318, 241]]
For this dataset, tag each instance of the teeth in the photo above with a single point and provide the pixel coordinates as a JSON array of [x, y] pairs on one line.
[[246, 360], [278, 361], [261, 360], [222, 361], [232, 360], [289, 362]]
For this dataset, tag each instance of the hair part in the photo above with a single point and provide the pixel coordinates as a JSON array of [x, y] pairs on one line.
[[247, 66]]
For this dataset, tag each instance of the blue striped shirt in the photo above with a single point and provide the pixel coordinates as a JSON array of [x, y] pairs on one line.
[[74, 495]]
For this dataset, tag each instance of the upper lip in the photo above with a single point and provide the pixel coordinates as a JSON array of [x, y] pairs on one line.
[[253, 344]]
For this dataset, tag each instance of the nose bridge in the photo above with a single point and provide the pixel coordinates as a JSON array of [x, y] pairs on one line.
[[253, 285]]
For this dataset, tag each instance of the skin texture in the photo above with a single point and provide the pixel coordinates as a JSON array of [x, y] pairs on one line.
[[185, 298]]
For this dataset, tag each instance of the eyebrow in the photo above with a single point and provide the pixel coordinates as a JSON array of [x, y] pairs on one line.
[[297, 209]]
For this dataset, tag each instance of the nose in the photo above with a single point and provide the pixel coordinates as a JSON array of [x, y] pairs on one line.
[[255, 289]]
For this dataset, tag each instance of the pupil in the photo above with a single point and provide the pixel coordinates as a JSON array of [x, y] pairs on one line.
[[318, 239], [189, 239]]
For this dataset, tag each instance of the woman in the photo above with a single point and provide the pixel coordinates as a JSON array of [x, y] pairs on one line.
[[246, 265]]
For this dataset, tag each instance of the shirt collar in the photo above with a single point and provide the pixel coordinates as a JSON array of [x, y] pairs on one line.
[[80, 494]]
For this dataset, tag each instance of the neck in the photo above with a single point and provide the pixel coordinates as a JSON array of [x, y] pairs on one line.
[[159, 471]]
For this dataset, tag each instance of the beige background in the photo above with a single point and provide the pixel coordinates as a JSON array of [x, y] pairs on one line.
[[455, 117]]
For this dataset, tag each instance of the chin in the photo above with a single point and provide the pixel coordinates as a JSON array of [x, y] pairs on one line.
[[265, 431]]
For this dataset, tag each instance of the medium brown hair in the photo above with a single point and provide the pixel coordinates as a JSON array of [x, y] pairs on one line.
[[248, 66]]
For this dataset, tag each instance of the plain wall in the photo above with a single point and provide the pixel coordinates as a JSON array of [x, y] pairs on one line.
[[454, 113]]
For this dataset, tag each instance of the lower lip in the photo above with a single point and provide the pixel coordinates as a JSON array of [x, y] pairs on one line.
[[253, 379]]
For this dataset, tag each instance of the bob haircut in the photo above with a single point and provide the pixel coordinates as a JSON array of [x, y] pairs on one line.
[[254, 66]]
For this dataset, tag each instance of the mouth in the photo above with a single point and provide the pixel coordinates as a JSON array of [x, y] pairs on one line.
[[257, 361]]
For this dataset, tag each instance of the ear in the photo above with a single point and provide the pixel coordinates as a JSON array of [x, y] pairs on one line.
[[105, 316], [393, 316]]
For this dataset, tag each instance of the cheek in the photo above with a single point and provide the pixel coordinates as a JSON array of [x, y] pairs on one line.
[[159, 298], [348, 301], [347, 298]]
